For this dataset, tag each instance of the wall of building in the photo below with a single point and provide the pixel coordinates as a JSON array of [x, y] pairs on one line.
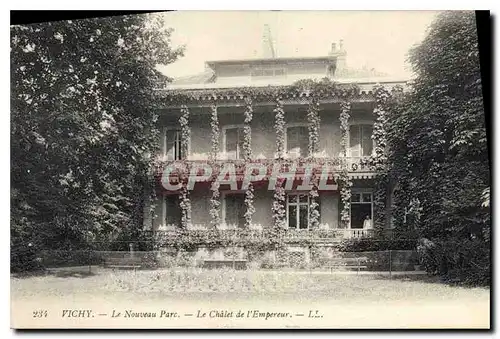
[[200, 206], [263, 146], [263, 131], [242, 73]]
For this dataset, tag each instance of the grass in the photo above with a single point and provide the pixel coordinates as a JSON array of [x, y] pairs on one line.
[[346, 301], [241, 284]]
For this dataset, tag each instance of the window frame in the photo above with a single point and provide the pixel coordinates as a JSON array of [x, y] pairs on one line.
[[359, 123], [224, 195], [164, 210], [292, 125], [298, 204], [361, 192], [239, 152], [259, 72], [165, 144]]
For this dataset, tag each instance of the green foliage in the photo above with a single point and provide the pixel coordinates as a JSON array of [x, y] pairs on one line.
[[191, 240], [462, 261], [344, 180], [371, 245], [83, 125], [437, 136], [303, 88]]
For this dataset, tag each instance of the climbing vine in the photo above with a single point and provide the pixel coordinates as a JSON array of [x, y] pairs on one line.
[[247, 155], [214, 124], [247, 130], [185, 131], [379, 156], [313, 120], [345, 182], [314, 213], [278, 207], [185, 202], [314, 91], [250, 209], [185, 205], [215, 198], [279, 126], [313, 146], [215, 204]]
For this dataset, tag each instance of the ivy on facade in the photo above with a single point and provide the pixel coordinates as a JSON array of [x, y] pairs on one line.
[[247, 130], [379, 156], [247, 156], [250, 208], [279, 126], [185, 202], [300, 89], [345, 181], [214, 124], [314, 92], [185, 205], [313, 119], [278, 207], [314, 212], [215, 197], [215, 204]]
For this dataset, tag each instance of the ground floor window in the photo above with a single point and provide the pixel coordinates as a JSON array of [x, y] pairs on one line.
[[362, 210], [234, 209], [298, 209], [172, 210]]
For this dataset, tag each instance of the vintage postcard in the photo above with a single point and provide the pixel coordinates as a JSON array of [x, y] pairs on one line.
[[250, 169]]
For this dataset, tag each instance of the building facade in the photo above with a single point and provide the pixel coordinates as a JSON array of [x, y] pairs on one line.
[[315, 116]]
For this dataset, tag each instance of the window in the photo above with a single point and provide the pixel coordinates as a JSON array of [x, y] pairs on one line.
[[360, 140], [173, 144], [297, 141], [298, 210], [233, 142], [172, 210], [268, 72], [362, 210], [234, 209]]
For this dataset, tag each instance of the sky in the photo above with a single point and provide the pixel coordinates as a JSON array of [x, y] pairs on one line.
[[374, 39]]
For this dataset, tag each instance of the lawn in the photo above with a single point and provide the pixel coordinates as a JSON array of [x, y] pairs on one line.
[[352, 301]]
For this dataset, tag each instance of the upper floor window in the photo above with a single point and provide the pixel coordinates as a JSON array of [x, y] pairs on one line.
[[360, 140], [268, 72], [173, 144], [297, 141], [233, 142]]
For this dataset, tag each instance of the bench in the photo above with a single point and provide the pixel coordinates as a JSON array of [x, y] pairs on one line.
[[123, 263], [238, 264], [357, 263]]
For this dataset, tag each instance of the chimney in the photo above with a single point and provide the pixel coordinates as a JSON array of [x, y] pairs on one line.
[[334, 48], [267, 44], [341, 58]]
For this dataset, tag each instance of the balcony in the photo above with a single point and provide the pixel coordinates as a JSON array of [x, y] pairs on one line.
[[256, 233], [205, 171]]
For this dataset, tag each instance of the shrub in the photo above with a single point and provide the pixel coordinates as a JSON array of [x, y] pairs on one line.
[[459, 261], [372, 245]]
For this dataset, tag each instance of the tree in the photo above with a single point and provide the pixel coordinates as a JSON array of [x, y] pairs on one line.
[[437, 136], [83, 114]]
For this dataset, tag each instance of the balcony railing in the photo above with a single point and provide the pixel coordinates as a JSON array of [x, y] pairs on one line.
[[255, 232]]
